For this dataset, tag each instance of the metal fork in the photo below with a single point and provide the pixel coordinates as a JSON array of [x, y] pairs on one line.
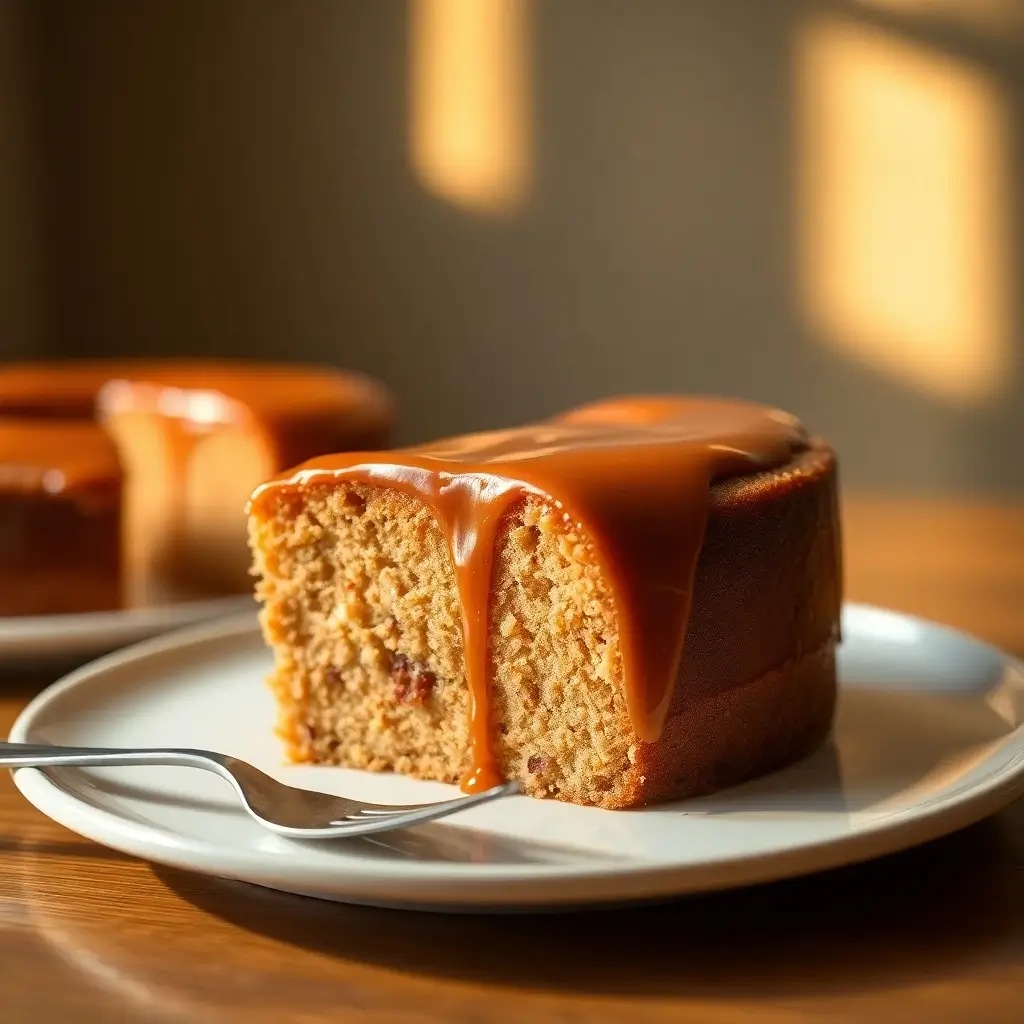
[[296, 813]]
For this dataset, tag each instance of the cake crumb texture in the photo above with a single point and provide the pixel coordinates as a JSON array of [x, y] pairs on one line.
[[361, 608]]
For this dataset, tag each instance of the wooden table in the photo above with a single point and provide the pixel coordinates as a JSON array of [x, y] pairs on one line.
[[936, 934]]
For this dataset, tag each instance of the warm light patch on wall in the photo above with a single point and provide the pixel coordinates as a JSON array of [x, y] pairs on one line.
[[469, 76], [903, 182]]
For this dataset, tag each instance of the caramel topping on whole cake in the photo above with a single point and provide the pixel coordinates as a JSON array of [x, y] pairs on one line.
[[55, 456], [293, 407], [634, 473], [169, 450]]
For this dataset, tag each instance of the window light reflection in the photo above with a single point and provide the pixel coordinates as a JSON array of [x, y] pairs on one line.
[[469, 102], [903, 187]]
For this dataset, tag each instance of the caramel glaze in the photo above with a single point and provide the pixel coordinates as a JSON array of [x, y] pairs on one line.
[[633, 473], [296, 409], [50, 456]]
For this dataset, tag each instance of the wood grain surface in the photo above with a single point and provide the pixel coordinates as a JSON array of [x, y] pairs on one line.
[[935, 934]]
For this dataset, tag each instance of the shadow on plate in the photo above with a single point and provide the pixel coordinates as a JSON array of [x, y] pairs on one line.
[[436, 841], [459, 845], [888, 749]]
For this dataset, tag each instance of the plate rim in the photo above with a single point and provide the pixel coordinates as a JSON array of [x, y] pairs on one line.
[[74, 637], [458, 884], [18, 628]]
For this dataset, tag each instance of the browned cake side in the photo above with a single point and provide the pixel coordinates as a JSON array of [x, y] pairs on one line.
[[60, 555], [60, 528], [362, 610]]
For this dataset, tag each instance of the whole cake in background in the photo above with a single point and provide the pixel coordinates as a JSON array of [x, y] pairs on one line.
[[635, 601], [126, 483]]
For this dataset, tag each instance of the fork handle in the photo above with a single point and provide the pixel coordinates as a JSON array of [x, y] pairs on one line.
[[41, 755]]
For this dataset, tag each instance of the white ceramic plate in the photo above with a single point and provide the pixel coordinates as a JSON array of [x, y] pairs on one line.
[[928, 739], [45, 638]]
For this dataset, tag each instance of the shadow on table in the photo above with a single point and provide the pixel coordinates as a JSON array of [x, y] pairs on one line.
[[23, 682], [906, 918]]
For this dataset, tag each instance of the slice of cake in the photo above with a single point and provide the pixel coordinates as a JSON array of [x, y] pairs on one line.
[[635, 601]]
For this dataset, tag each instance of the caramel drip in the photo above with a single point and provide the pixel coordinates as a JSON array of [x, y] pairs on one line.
[[181, 435], [633, 474]]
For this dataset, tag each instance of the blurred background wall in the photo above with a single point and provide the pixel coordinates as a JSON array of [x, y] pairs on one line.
[[23, 329], [503, 207]]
